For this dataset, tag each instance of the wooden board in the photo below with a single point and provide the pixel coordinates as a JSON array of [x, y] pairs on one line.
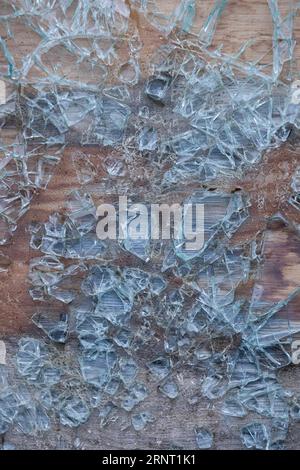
[[268, 186]]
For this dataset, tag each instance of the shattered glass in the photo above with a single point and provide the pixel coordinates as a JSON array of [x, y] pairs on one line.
[[116, 323], [204, 438]]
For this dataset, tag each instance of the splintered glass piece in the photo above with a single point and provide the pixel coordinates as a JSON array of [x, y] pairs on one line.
[[214, 386], [110, 122], [138, 246], [121, 93], [208, 29], [135, 395], [169, 389], [283, 42], [148, 139], [91, 331], [112, 387], [97, 370], [295, 411], [114, 306], [4, 426], [31, 419], [74, 106], [123, 338], [73, 412], [128, 371], [255, 436], [160, 367], [55, 328], [157, 88], [295, 186], [129, 72], [3, 370], [139, 421], [157, 284], [222, 215], [233, 407], [99, 280], [204, 438], [31, 357], [278, 431], [107, 413], [8, 446]]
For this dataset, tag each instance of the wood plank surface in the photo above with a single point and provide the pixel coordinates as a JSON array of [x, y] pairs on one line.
[[268, 185]]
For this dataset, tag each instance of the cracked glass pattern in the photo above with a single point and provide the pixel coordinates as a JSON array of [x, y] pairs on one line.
[[120, 325]]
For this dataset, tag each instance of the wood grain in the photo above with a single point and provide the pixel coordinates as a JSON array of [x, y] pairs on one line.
[[268, 186]]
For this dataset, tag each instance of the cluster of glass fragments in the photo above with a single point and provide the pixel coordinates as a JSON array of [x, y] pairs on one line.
[[118, 321]]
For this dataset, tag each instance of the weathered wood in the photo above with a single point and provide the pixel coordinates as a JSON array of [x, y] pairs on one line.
[[267, 185]]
